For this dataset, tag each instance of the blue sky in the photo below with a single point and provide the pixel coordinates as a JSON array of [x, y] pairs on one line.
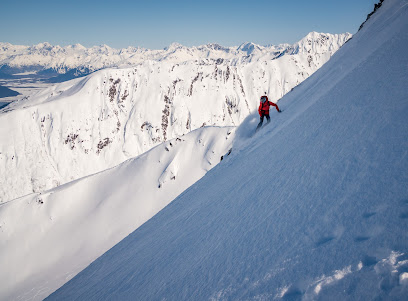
[[155, 24]]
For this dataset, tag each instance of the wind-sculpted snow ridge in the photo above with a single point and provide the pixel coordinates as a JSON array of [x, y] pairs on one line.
[[47, 238], [312, 207], [77, 128], [45, 56]]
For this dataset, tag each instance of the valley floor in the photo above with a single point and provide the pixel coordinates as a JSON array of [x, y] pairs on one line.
[[24, 86]]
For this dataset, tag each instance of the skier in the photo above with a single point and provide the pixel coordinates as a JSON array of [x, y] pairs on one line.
[[264, 110]]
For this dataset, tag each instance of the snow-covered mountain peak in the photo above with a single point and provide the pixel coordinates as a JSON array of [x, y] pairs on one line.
[[249, 48], [78, 46], [315, 35], [45, 50], [132, 49], [320, 42], [214, 46], [104, 49], [5, 45], [43, 45], [174, 46]]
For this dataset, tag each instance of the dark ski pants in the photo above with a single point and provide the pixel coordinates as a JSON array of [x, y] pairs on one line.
[[268, 119]]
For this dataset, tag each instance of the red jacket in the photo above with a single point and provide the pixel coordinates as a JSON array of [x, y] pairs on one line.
[[264, 107]]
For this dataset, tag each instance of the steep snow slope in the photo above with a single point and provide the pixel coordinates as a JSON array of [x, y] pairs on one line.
[[313, 207], [87, 125], [45, 239]]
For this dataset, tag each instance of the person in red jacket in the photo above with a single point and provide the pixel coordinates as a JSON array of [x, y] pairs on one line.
[[264, 110]]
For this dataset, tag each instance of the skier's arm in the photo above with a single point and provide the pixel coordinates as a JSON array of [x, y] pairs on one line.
[[275, 105]]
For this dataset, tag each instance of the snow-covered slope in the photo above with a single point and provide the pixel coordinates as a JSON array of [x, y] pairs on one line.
[[45, 239], [313, 207], [86, 125]]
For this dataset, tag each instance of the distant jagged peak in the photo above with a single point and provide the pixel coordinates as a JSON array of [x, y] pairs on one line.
[[6, 48], [105, 47], [320, 42], [45, 49], [6, 45], [282, 46], [77, 46], [174, 46], [213, 46], [316, 35], [249, 47], [42, 45], [320, 36], [133, 49]]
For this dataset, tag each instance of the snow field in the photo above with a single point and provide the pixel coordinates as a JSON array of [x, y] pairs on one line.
[[47, 238], [314, 206]]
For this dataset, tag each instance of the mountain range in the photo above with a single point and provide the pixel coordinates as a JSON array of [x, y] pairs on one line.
[[56, 63]]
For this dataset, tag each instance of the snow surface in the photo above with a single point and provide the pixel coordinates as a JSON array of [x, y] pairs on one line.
[[47, 238], [314, 206], [80, 127]]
